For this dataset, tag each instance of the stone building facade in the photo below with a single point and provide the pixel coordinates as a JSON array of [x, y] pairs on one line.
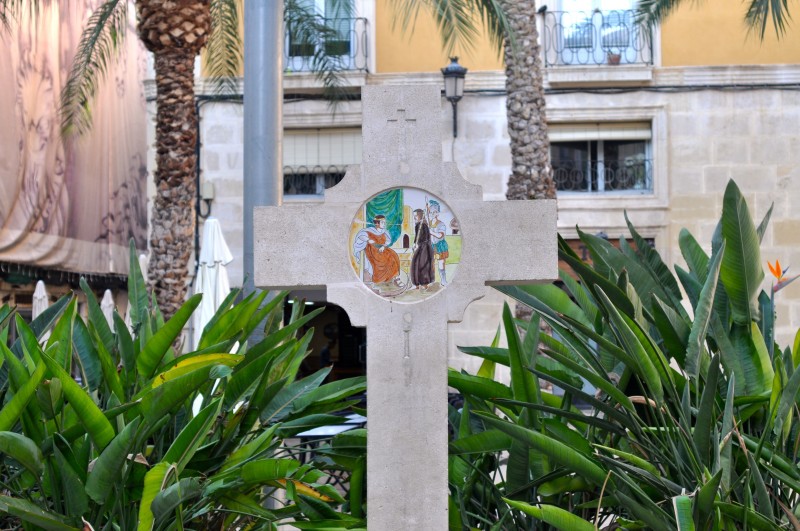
[[693, 116]]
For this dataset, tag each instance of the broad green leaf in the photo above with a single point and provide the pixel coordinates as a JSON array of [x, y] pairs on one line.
[[137, 290], [788, 399], [60, 340], [88, 357], [483, 442], [642, 363], [553, 515], [651, 260], [250, 450], [473, 385], [696, 258], [264, 470], [14, 408], [762, 496], [592, 280], [92, 418], [155, 349], [106, 473], [75, 498], [97, 320], [742, 514], [762, 227], [23, 450], [252, 372], [706, 415], [557, 451], [191, 437], [704, 505], [524, 386], [331, 392], [163, 399], [695, 346], [31, 513], [682, 506], [741, 271], [156, 479], [673, 329], [283, 402], [645, 284], [109, 368], [186, 364], [127, 350], [631, 458], [168, 500]]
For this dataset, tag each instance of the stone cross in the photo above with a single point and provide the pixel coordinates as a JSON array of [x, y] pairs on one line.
[[405, 297]]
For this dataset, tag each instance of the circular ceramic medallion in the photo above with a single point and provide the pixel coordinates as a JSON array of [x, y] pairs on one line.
[[405, 244]]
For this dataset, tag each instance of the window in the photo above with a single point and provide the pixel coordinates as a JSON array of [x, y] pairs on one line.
[[341, 45], [314, 160], [601, 157]]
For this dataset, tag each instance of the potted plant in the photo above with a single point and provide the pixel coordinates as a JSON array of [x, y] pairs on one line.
[[614, 58]]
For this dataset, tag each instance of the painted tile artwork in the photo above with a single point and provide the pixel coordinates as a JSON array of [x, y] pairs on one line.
[[405, 244]]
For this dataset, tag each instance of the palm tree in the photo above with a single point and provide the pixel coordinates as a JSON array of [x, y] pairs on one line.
[[531, 173]]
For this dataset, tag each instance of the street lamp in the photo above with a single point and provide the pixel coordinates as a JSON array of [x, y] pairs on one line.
[[454, 75]]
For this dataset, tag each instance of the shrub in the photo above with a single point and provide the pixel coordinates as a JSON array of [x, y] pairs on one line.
[[692, 420], [119, 447]]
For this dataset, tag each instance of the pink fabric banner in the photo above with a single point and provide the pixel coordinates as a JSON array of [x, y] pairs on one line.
[[70, 204]]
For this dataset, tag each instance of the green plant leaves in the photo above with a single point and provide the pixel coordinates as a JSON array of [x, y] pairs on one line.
[[741, 271]]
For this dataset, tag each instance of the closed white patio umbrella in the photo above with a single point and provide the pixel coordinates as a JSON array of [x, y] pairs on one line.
[[40, 300], [107, 307], [212, 276]]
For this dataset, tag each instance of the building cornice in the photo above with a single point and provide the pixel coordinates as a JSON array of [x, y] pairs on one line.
[[742, 76]]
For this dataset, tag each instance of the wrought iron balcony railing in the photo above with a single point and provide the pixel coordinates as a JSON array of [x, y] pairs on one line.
[[577, 38], [347, 48], [629, 174]]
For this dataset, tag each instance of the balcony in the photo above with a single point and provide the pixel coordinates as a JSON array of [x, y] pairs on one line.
[[346, 47], [576, 38], [583, 48], [631, 174]]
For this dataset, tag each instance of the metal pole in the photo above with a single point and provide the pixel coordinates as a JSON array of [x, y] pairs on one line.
[[455, 118], [263, 117]]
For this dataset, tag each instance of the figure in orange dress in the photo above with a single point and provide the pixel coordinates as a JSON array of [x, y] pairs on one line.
[[382, 264]]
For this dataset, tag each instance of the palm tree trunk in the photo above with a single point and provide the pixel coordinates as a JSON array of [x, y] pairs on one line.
[[173, 218], [531, 174], [174, 30]]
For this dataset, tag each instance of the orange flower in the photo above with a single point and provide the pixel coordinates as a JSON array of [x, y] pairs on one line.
[[776, 271]]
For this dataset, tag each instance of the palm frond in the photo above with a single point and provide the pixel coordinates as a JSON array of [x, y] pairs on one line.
[[104, 32], [224, 48], [760, 11], [653, 12], [455, 20], [12, 9]]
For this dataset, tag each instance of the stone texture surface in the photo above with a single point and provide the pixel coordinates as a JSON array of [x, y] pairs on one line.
[[407, 349]]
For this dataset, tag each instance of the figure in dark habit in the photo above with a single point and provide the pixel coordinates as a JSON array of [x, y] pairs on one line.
[[422, 259]]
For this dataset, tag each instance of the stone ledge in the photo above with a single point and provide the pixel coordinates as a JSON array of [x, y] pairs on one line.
[[599, 75]]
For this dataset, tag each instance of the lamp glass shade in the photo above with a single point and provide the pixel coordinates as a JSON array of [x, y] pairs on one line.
[[454, 75]]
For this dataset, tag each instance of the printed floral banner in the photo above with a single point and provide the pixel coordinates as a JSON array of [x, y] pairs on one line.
[[71, 205]]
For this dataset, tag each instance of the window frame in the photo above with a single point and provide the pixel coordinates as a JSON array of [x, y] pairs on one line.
[[657, 198]]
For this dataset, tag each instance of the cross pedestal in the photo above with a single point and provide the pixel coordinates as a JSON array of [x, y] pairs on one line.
[[351, 245]]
